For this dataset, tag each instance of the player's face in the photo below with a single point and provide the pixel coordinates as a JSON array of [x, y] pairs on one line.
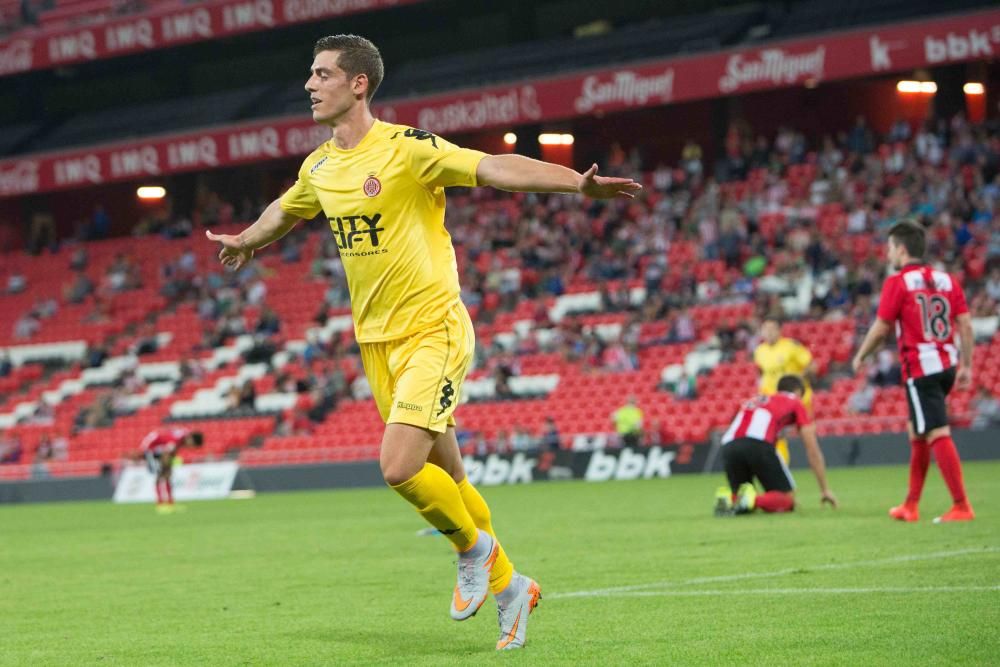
[[770, 332], [331, 92], [892, 254]]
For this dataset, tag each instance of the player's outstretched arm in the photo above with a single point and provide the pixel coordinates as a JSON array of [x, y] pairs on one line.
[[517, 173], [880, 329], [238, 249], [967, 340], [817, 463]]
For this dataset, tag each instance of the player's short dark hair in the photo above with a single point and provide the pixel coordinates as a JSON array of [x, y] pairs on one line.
[[911, 236], [357, 56], [197, 438], [792, 383]]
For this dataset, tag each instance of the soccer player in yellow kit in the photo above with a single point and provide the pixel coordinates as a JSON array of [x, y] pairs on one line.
[[777, 356], [381, 187]]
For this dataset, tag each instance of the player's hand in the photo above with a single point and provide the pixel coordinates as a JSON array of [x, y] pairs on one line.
[[234, 255], [856, 364], [963, 378], [606, 187], [827, 497]]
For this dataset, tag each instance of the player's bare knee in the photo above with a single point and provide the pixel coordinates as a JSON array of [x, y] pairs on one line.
[[397, 472], [940, 432]]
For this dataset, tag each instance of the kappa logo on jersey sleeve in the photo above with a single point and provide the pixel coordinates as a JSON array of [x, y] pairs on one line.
[[419, 135], [312, 170]]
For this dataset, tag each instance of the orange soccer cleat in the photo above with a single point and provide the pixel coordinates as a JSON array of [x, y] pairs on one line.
[[905, 512], [958, 512]]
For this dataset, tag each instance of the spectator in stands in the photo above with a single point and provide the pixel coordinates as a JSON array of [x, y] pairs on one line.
[[628, 423], [256, 292], [43, 414], [101, 312], [550, 440], [886, 372], [132, 382], [501, 383], [616, 359], [242, 397], [268, 323], [79, 289], [862, 401], [11, 449], [79, 259], [27, 326], [99, 414], [95, 355], [691, 156], [899, 132], [686, 388], [122, 275], [682, 329], [986, 410], [44, 450], [191, 369], [42, 233], [295, 421], [6, 366], [360, 389], [16, 283], [992, 286], [100, 224], [503, 443], [860, 140], [521, 440]]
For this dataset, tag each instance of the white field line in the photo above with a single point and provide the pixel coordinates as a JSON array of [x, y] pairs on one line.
[[809, 591], [802, 569]]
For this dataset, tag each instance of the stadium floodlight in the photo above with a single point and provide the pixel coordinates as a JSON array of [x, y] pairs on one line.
[[151, 192], [973, 88], [925, 87], [510, 138], [554, 139]]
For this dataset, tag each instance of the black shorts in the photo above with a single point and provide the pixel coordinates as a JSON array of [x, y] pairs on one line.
[[926, 398], [747, 458], [157, 462]]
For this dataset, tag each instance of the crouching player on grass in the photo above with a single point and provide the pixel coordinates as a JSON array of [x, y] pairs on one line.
[[159, 449], [749, 451]]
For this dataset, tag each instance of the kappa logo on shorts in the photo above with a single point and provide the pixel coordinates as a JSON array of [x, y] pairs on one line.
[[409, 406], [447, 391]]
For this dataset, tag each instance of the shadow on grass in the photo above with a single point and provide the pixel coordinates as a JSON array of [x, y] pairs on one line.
[[399, 643]]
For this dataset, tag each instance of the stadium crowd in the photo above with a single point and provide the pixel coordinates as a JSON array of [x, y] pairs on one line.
[[787, 224]]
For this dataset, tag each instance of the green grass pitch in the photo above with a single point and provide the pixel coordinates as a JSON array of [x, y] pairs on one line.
[[341, 578]]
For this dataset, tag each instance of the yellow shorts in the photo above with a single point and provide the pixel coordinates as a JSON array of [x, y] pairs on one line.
[[418, 380]]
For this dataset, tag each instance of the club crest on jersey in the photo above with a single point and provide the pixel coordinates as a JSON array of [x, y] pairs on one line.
[[372, 186]]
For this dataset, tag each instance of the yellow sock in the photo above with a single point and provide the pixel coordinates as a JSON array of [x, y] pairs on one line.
[[503, 569], [435, 496]]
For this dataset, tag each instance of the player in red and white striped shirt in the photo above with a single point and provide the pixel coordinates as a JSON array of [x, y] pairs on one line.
[[749, 451], [924, 306], [159, 448]]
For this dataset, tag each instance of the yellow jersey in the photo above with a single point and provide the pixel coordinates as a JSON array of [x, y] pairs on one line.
[[785, 357], [385, 202]]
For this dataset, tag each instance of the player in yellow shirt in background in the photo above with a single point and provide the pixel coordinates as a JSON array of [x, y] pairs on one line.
[[777, 356], [381, 187]]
